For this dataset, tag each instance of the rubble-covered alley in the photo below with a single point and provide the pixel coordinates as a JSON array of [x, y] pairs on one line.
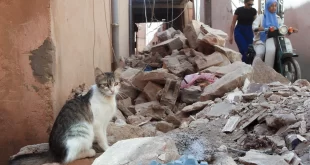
[[191, 96]]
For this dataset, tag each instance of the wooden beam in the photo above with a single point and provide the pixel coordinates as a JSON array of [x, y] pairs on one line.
[[157, 6]]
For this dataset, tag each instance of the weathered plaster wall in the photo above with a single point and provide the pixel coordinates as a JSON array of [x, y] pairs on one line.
[[80, 33], [25, 84], [123, 13], [47, 47], [296, 15], [222, 17]]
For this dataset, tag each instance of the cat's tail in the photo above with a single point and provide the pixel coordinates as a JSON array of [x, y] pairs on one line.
[[32, 159]]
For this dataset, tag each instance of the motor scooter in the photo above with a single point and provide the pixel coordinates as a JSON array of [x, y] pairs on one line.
[[285, 62]]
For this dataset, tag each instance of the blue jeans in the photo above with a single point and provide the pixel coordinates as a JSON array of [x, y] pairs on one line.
[[244, 37]]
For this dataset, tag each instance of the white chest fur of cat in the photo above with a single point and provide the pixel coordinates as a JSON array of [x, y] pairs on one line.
[[85, 119], [103, 108]]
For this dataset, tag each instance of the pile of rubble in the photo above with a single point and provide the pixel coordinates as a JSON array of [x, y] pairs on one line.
[[157, 86], [189, 95]]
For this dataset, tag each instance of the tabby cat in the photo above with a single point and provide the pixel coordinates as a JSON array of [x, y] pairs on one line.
[[80, 122]]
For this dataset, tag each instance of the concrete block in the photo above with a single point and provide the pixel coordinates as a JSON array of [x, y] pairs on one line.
[[170, 92]]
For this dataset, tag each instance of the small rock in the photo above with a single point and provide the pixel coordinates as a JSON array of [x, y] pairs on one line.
[[303, 127], [261, 129], [301, 83], [275, 98], [151, 109], [121, 132], [138, 120], [141, 99], [278, 140], [218, 100], [256, 158], [232, 55], [279, 120], [191, 95], [196, 106], [173, 120], [198, 122], [120, 122], [307, 103], [284, 93], [119, 115], [267, 94], [164, 126], [127, 90], [249, 96], [220, 109], [123, 106], [222, 148], [223, 158]]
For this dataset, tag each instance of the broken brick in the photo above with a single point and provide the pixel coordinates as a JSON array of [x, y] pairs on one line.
[[226, 83], [232, 55], [207, 29], [127, 90], [191, 32], [170, 92], [129, 74], [204, 62], [159, 76], [164, 126], [280, 120], [123, 106], [213, 39], [173, 120], [141, 99], [165, 48], [191, 95], [151, 109], [151, 90], [165, 35]]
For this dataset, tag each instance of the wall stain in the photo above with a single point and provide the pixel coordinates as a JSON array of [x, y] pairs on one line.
[[42, 61]]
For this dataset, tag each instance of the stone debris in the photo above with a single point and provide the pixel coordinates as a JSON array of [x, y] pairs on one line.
[[194, 89], [139, 150], [257, 158]]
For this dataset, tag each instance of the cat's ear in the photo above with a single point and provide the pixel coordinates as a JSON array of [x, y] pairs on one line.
[[98, 72]]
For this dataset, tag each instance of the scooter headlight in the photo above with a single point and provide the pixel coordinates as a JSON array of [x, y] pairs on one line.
[[283, 30]]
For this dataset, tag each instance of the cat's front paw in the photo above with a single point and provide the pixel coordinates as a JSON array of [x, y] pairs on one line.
[[106, 147]]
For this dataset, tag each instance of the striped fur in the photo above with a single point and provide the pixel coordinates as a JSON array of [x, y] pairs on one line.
[[84, 120]]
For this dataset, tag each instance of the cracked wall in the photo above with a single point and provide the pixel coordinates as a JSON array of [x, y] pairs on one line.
[[47, 47], [25, 102]]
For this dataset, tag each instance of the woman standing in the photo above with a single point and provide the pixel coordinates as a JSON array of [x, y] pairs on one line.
[[243, 32]]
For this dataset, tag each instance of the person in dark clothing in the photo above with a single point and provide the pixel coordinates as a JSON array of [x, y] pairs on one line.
[[242, 32], [136, 29]]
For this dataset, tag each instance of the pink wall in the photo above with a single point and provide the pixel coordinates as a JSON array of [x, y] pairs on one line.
[[25, 99], [299, 17], [222, 17]]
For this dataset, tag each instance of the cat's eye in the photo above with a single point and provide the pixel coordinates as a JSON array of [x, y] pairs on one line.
[[115, 83], [104, 84]]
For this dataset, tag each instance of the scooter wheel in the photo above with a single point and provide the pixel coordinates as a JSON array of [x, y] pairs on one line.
[[291, 69]]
